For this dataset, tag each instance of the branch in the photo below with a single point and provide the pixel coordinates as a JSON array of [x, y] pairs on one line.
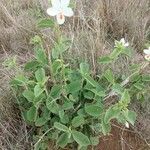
[[124, 83]]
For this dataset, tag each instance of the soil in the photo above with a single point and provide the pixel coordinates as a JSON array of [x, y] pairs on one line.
[[122, 139]]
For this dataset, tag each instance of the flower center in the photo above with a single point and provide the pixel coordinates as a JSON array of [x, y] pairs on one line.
[[61, 15]]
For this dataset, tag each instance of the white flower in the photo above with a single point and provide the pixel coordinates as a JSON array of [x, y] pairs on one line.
[[60, 9], [147, 53], [125, 44], [127, 124]]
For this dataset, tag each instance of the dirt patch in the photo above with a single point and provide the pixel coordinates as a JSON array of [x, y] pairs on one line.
[[122, 139]]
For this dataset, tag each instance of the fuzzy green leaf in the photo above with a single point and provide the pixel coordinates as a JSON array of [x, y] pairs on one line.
[[32, 114], [63, 139], [80, 138], [105, 60], [94, 140], [61, 127], [106, 128], [52, 106], [31, 65], [131, 117], [78, 121], [46, 23], [109, 76], [90, 80], [29, 95], [111, 113], [93, 110], [40, 122], [40, 75], [146, 78], [56, 91], [73, 87], [38, 90], [84, 68], [57, 64], [125, 97], [41, 56]]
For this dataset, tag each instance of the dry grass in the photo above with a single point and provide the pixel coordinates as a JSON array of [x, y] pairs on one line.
[[92, 30]]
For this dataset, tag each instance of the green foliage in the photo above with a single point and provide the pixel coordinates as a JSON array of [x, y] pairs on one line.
[[93, 110], [45, 23], [80, 138], [72, 101]]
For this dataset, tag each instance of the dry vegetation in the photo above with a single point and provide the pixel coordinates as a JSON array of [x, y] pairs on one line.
[[96, 24]]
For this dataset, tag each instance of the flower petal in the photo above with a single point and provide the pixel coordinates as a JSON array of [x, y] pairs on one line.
[[146, 51], [147, 57], [127, 124], [126, 44], [56, 3], [60, 18], [68, 12], [52, 11], [122, 41], [65, 3]]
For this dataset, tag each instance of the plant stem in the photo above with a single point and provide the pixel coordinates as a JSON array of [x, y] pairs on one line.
[[36, 144]]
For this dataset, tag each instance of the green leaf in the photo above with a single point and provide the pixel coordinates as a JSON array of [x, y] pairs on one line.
[[125, 97], [82, 147], [32, 114], [127, 51], [31, 65], [52, 106], [80, 138], [40, 75], [78, 121], [65, 119], [67, 105], [146, 78], [93, 110], [38, 90], [106, 128], [57, 64], [46, 23], [105, 60], [41, 56], [121, 118], [61, 127], [116, 52], [96, 127], [139, 86], [135, 77], [19, 80], [36, 40], [88, 94], [109, 76], [73, 87], [40, 122], [90, 80], [81, 112], [131, 117], [94, 140], [46, 113], [61, 114], [98, 92], [117, 88], [29, 95], [60, 47], [63, 139], [56, 91], [84, 68], [134, 68], [111, 113]]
